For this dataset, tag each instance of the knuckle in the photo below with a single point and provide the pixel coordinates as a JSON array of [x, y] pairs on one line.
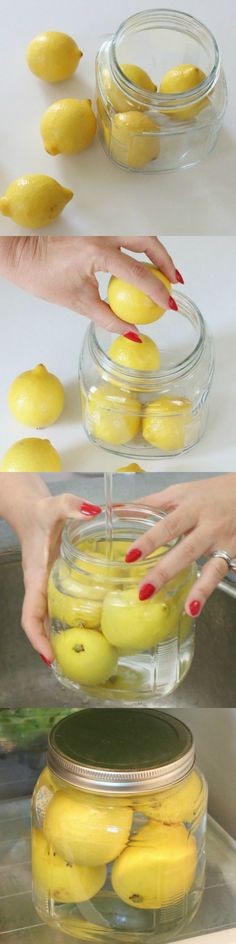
[[162, 574], [219, 568], [189, 550], [138, 271], [171, 528]]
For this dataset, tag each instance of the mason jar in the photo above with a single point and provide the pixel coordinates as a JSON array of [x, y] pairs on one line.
[[118, 827], [149, 414], [107, 643], [146, 121]]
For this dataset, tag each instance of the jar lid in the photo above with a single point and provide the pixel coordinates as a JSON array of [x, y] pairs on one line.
[[123, 750]]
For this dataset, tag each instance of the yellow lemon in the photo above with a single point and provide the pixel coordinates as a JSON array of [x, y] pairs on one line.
[[132, 467], [84, 655], [113, 416], [68, 126], [61, 880], [53, 56], [118, 99], [36, 397], [85, 830], [145, 356], [165, 423], [157, 868], [134, 139], [134, 625], [183, 78], [75, 602], [31, 455], [131, 304], [180, 804], [34, 201]]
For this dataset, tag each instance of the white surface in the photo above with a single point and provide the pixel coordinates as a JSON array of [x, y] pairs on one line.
[[218, 937], [32, 331], [108, 199]]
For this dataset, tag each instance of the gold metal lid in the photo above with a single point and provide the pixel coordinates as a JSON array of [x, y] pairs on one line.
[[120, 750]]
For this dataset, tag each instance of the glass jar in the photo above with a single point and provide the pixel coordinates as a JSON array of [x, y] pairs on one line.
[[145, 128], [118, 827], [107, 643], [149, 414]]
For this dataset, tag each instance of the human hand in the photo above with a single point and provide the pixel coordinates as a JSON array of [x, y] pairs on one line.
[[203, 514], [63, 270], [40, 530]]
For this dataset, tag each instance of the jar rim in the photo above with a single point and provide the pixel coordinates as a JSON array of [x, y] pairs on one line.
[[114, 780], [151, 378], [154, 99], [72, 526]]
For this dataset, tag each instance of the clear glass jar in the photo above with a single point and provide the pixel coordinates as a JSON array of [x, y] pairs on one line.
[[118, 827], [149, 414], [153, 131], [107, 643]]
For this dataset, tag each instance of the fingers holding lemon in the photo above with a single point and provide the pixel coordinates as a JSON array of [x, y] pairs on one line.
[[125, 299]]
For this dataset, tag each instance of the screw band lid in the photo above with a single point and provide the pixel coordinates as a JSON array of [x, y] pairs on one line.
[[120, 750]]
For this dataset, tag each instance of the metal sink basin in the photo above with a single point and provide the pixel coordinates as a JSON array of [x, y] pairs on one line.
[[26, 681]]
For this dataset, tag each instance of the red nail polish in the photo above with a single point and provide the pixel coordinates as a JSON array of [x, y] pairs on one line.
[[172, 304], [146, 591], [179, 277], [87, 509], [195, 607], [133, 337], [133, 555], [47, 661]]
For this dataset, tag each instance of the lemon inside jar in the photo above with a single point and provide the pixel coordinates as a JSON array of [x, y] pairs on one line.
[[166, 421], [113, 415], [179, 79]]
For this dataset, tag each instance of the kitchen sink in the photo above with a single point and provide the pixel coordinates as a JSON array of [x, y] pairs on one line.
[[26, 681]]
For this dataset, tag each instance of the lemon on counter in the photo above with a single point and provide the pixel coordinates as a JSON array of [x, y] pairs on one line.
[[134, 625], [85, 829], [113, 416], [36, 397], [145, 356], [34, 200], [118, 99], [132, 467], [157, 868], [178, 804], [63, 882], [68, 126], [134, 139], [31, 455], [165, 423], [53, 56], [131, 304], [84, 655], [183, 78]]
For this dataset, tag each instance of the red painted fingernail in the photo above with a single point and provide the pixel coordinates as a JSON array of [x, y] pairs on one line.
[[47, 661], [133, 555], [179, 277], [87, 509], [146, 591], [195, 607], [133, 337], [172, 304]]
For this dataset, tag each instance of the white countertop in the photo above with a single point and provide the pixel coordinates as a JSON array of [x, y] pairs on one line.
[[109, 199], [33, 331]]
